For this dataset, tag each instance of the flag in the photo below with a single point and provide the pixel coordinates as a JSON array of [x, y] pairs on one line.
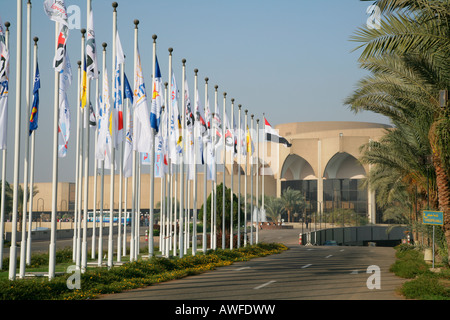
[[118, 103], [91, 51], [60, 55], [157, 98], [273, 136], [161, 152], [249, 147], [92, 117], [174, 124], [189, 118], [142, 129], [104, 139], [56, 11], [35, 105], [128, 93], [83, 86], [4, 74], [65, 80], [229, 136], [128, 145]]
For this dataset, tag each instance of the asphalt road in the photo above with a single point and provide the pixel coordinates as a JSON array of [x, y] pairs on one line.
[[301, 273]]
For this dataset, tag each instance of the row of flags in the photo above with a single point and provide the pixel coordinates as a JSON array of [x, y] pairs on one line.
[[137, 132]]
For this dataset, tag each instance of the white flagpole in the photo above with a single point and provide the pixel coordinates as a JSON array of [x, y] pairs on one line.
[[205, 172], [224, 155], [80, 162], [171, 164], [113, 142], [183, 150], [257, 181], [84, 246], [151, 245], [245, 178], [239, 177], [74, 242], [214, 206], [94, 213], [52, 246], [194, 233], [263, 165], [135, 154], [251, 180], [3, 194], [36, 39], [213, 182], [13, 248], [232, 174], [23, 243]]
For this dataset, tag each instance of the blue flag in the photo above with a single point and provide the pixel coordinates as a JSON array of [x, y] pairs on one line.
[[35, 106], [127, 89]]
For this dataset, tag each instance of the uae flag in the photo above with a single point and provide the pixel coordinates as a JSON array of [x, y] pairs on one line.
[[273, 136]]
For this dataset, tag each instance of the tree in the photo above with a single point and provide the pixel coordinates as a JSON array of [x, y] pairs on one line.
[[292, 200], [409, 61], [274, 207], [219, 194]]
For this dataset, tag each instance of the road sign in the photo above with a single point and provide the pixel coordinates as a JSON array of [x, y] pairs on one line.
[[433, 217]]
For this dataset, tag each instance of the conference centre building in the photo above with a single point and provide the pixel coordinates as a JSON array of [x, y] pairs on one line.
[[320, 159]]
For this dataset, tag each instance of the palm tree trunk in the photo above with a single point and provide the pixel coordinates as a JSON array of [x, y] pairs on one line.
[[442, 181]]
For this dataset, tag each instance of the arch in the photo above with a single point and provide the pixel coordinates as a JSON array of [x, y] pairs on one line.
[[344, 166], [297, 168]]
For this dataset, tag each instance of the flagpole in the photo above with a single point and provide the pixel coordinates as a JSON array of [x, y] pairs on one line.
[[251, 179], [257, 181], [214, 206], [3, 193], [239, 177], [80, 158], [245, 178], [84, 246], [182, 181], [232, 174], [94, 214], [52, 246], [194, 233], [113, 141], [133, 183], [205, 173], [23, 243], [263, 166], [213, 181], [224, 155], [13, 248]]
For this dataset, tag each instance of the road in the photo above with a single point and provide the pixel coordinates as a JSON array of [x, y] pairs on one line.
[[301, 273]]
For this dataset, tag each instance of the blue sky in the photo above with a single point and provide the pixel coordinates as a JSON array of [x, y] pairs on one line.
[[289, 59]]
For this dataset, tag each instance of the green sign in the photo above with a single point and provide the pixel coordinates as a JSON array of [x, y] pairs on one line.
[[433, 217]]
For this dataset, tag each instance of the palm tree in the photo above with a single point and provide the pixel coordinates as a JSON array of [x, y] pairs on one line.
[[274, 207], [292, 200], [409, 61]]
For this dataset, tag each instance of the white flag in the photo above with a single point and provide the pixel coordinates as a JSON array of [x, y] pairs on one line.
[[65, 80], [56, 11], [142, 131], [3, 114], [104, 138], [91, 50], [174, 133], [128, 145]]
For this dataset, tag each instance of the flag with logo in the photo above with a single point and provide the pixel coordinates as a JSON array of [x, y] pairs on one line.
[[65, 80], [103, 151], [118, 103], [157, 98], [128, 145], [91, 50], [174, 124], [35, 106], [142, 130], [4, 81]]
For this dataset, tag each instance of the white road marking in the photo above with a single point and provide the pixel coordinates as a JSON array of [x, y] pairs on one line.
[[263, 285], [354, 272], [243, 268], [328, 256], [306, 266]]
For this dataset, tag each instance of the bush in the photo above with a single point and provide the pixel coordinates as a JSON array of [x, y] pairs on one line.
[[425, 287], [409, 262]]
